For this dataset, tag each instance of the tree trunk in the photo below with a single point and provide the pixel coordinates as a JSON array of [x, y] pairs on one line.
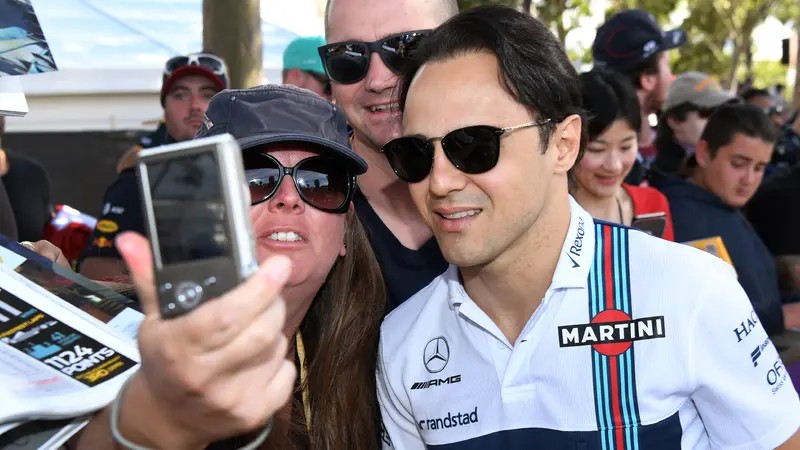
[[732, 82], [747, 43], [796, 93], [561, 30], [232, 30], [526, 6]]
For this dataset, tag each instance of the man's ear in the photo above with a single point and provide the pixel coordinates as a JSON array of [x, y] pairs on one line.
[[292, 76], [673, 122], [702, 154], [566, 143], [648, 81]]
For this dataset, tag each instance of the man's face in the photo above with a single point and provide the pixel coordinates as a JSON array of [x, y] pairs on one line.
[[501, 204], [368, 21], [657, 85], [736, 171], [316, 83], [185, 104], [767, 104], [689, 131]]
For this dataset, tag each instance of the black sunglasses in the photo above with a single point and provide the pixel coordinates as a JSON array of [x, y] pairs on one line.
[[472, 150], [322, 182], [348, 62]]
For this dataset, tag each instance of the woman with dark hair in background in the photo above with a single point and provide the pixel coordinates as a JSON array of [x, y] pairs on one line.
[[614, 121]]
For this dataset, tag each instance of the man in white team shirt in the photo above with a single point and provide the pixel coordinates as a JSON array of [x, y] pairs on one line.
[[551, 330]]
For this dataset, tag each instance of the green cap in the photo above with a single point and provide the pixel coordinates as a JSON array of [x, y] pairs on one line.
[[302, 54]]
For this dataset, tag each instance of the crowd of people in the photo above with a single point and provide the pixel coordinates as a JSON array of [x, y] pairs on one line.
[[509, 269]]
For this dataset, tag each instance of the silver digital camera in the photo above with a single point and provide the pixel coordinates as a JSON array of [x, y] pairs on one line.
[[196, 209]]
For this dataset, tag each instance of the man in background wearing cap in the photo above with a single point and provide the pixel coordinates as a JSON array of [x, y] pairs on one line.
[[731, 155], [632, 43], [188, 83], [691, 98], [302, 66]]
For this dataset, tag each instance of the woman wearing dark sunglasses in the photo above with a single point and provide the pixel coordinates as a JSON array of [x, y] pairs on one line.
[[301, 176], [614, 121]]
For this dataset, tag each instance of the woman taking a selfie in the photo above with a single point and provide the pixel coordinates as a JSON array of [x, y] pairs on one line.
[[614, 118], [221, 371]]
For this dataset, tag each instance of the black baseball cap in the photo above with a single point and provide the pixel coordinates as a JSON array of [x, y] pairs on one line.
[[280, 113], [629, 37]]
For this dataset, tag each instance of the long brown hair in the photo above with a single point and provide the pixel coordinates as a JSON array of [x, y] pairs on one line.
[[341, 332]]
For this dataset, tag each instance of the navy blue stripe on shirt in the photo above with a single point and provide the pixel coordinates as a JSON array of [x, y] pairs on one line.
[[664, 435]]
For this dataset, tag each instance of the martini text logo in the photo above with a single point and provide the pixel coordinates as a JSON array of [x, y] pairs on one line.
[[612, 332]]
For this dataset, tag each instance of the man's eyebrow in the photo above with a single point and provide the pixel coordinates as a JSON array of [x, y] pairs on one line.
[[742, 157], [178, 87]]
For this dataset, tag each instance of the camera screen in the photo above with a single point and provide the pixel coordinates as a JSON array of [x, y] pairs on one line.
[[189, 208]]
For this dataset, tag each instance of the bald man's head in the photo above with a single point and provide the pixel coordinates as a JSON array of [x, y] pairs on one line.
[[441, 9], [373, 21]]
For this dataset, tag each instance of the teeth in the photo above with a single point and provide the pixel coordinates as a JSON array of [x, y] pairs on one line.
[[384, 107], [461, 214], [289, 236]]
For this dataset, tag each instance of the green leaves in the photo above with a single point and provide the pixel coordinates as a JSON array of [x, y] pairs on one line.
[[719, 30]]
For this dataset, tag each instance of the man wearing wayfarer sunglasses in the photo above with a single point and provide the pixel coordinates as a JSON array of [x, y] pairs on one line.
[[368, 43], [550, 329], [188, 83]]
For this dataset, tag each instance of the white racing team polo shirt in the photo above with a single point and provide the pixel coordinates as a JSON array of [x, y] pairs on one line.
[[638, 344]]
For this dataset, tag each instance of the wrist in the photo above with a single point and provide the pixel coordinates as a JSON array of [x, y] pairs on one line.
[[146, 421]]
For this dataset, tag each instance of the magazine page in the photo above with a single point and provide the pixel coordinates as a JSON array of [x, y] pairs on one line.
[[41, 434], [54, 364], [93, 301]]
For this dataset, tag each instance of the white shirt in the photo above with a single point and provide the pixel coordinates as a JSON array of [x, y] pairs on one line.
[[699, 373]]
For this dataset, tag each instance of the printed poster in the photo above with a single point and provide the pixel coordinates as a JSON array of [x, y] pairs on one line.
[[23, 47], [58, 345]]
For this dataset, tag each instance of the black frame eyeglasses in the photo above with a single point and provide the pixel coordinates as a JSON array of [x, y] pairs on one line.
[[322, 182], [348, 62], [472, 150]]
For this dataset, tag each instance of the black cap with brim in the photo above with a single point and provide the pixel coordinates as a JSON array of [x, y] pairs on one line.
[[281, 113], [630, 37], [673, 39]]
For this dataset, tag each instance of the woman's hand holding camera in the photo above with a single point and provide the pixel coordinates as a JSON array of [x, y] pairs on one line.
[[216, 372]]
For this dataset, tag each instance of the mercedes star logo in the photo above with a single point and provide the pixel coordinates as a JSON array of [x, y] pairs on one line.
[[436, 354]]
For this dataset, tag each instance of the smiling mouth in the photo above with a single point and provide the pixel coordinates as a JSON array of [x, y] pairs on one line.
[[460, 214], [285, 236], [386, 107]]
